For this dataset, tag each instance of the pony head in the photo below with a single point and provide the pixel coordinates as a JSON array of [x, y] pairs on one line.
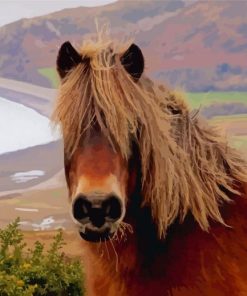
[[128, 139], [97, 172]]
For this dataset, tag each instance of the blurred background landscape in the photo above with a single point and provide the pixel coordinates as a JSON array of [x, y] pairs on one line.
[[195, 46]]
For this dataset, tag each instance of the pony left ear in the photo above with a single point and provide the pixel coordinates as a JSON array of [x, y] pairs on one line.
[[133, 61], [67, 59]]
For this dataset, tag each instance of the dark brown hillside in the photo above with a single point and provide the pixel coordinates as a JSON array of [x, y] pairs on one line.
[[197, 45]]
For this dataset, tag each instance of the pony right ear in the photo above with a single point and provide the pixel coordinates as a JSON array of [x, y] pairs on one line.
[[133, 61], [67, 59]]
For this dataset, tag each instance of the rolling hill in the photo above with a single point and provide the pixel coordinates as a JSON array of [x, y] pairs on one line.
[[196, 45]]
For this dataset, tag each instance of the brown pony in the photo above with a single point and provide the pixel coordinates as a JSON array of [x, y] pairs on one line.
[[156, 194]]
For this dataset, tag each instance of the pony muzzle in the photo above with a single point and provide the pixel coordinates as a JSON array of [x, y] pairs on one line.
[[97, 215]]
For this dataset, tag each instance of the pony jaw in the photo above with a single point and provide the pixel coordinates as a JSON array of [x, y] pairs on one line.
[[91, 233]]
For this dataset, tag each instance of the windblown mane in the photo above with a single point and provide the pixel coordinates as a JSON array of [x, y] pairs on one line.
[[186, 165]]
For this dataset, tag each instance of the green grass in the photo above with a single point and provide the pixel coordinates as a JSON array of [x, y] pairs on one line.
[[51, 75], [197, 100], [230, 118], [239, 142]]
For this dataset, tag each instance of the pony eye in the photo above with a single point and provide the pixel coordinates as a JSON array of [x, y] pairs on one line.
[[173, 110]]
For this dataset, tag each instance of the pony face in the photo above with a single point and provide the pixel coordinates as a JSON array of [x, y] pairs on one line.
[[97, 178], [97, 173]]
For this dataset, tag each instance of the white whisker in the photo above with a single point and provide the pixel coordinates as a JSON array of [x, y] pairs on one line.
[[116, 255], [108, 254]]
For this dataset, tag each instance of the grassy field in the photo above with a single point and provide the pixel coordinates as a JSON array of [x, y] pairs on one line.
[[230, 118], [51, 75], [72, 248], [234, 125], [240, 142], [198, 99]]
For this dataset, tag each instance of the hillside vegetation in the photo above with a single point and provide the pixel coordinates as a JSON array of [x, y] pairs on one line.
[[196, 45], [27, 272]]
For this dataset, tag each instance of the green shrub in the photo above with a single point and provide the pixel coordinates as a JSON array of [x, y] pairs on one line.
[[36, 272]]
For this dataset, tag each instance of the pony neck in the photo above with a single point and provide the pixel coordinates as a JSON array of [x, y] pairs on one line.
[[136, 252]]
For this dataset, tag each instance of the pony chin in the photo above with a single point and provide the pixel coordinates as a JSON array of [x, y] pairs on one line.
[[93, 234]]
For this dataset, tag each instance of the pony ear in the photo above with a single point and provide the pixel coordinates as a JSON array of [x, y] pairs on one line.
[[133, 61], [67, 59]]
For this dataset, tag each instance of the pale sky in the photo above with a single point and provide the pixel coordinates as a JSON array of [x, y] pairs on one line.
[[13, 10]]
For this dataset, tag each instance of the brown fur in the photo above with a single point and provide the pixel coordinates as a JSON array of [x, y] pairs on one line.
[[189, 262], [188, 173]]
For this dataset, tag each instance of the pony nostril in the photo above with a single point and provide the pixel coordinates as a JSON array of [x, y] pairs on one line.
[[112, 207], [81, 208]]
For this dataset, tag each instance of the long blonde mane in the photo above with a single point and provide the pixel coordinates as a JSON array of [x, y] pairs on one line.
[[183, 160]]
